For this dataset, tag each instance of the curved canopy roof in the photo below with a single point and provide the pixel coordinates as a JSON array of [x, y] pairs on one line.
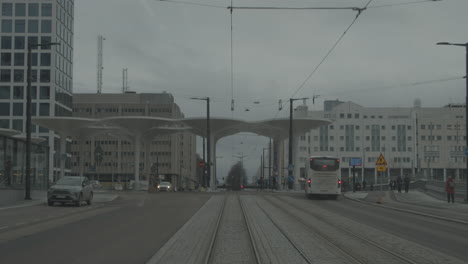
[[9, 132], [147, 126]]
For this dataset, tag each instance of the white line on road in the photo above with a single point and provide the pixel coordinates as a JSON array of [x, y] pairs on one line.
[[3, 227], [22, 223]]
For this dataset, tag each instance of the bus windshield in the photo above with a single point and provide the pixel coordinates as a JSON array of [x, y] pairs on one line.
[[324, 164]]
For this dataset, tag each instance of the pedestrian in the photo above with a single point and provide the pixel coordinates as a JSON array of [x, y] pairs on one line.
[[450, 189], [399, 183], [407, 182], [372, 186], [390, 184], [364, 183]]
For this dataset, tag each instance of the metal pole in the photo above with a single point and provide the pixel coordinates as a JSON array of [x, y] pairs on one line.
[[204, 165], [208, 144], [269, 166], [261, 172], [466, 122], [27, 181], [290, 148]]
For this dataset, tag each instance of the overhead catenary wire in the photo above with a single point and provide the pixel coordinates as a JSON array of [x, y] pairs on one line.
[[404, 3], [191, 3]]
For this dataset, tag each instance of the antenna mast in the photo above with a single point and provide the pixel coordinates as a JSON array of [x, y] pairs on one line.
[[99, 64]]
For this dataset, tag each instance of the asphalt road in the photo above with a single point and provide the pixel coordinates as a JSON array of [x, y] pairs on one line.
[[128, 230], [444, 236]]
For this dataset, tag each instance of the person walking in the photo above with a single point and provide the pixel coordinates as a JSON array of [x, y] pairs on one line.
[[450, 189], [407, 182], [399, 183], [364, 183]]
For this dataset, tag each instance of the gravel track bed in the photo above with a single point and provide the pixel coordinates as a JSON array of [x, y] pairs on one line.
[[271, 244], [329, 224], [232, 244]]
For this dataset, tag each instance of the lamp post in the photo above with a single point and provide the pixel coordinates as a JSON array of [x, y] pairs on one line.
[[27, 181], [208, 141], [466, 106], [290, 160]]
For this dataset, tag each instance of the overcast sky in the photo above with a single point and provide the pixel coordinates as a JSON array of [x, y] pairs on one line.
[[185, 50]]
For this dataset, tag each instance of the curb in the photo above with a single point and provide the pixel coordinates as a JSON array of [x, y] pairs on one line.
[[22, 205], [411, 212]]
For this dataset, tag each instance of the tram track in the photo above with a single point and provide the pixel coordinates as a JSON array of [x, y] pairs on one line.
[[352, 255]]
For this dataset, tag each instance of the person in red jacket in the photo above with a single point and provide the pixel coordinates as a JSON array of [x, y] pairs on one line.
[[450, 189]]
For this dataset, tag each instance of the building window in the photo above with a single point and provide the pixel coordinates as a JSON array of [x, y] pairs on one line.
[[46, 26], [44, 92], [20, 43], [5, 75], [439, 137], [350, 115], [367, 127], [44, 76], [409, 127], [33, 26], [357, 127], [365, 117], [423, 137], [20, 26], [18, 125], [342, 149], [410, 138], [380, 117], [331, 127], [20, 9], [6, 42], [332, 149], [393, 138], [45, 59], [410, 149], [33, 9], [4, 92], [7, 9], [5, 59], [7, 25], [45, 40], [393, 149], [17, 109], [383, 137], [341, 137], [18, 75], [46, 10], [4, 109], [423, 126], [449, 138], [19, 59], [356, 115], [4, 123], [383, 127], [341, 127], [358, 149], [332, 138], [44, 109], [341, 115], [438, 127], [18, 92]]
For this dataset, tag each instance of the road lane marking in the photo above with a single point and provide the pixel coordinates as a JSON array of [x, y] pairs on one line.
[[3, 227]]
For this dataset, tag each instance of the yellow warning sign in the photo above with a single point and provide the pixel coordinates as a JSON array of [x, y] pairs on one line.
[[381, 160], [381, 168]]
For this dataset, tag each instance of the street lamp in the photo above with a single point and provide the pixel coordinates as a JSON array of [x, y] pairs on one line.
[[466, 107], [27, 181], [208, 140], [290, 165]]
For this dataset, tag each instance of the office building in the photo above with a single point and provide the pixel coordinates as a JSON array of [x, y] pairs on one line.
[[37, 22]]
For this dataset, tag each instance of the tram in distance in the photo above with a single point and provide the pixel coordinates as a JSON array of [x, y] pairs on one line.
[[323, 178]]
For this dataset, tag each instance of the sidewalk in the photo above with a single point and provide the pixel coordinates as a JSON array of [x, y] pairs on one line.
[[421, 198]]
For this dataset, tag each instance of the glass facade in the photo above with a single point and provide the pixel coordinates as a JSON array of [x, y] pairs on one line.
[[13, 159]]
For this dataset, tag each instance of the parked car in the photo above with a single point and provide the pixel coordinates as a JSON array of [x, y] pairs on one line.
[[165, 186], [70, 189], [96, 185]]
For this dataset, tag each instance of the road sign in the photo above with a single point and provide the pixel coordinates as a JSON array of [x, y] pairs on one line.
[[381, 168], [355, 162], [381, 160], [466, 151]]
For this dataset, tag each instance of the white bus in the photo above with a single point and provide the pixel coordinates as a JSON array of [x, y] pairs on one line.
[[323, 177]]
